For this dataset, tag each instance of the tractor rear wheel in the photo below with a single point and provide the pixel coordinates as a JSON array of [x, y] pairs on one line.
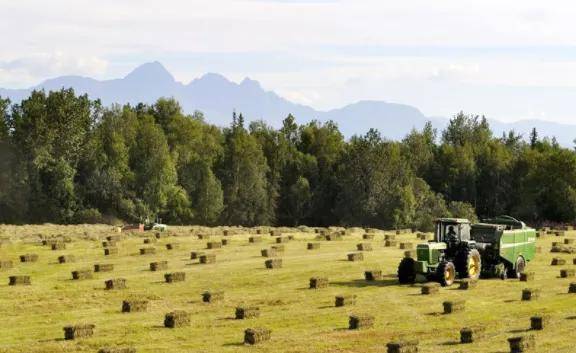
[[446, 273], [469, 264], [518, 268], [406, 271]]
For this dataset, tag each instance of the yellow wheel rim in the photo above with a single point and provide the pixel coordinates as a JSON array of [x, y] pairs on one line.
[[448, 275], [473, 267]]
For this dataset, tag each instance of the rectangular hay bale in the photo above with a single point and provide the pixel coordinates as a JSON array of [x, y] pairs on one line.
[[175, 277], [64, 259], [373, 275], [73, 332], [244, 312], [134, 305], [358, 322], [212, 296], [103, 267], [256, 335], [207, 259], [110, 251], [82, 274], [344, 300], [214, 245], [313, 246], [19, 280], [522, 344], [29, 258], [539, 322], [357, 256], [115, 283], [530, 294], [147, 251], [273, 263], [158, 265], [319, 282], [402, 346], [269, 252], [430, 288], [178, 318], [454, 306], [364, 247]]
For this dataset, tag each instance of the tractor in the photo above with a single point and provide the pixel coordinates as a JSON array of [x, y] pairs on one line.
[[499, 247]]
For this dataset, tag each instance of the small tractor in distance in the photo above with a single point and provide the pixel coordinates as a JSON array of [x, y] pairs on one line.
[[497, 247]]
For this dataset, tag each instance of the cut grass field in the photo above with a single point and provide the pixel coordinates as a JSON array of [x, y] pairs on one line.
[[301, 319]]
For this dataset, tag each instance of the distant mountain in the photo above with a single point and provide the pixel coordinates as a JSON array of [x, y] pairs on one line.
[[217, 97]]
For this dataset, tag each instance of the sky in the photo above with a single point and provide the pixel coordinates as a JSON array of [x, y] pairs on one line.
[[509, 60]]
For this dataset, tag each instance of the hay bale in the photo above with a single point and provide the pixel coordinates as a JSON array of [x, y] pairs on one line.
[[108, 244], [6, 264], [103, 267], [282, 240], [356, 256], [558, 262], [430, 288], [279, 248], [58, 246], [402, 346], [313, 246], [521, 344], [345, 300], [29, 258], [147, 251], [82, 274], [250, 312], [569, 241], [172, 246], [225, 242], [567, 273], [373, 275], [389, 237], [110, 251], [364, 247], [269, 252], [471, 334], [256, 335], [115, 283], [538, 322], [530, 294], [527, 276], [117, 350], [358, 322], [214, 245], [64, 259], [196, 255], [390, 243], [178, 318], [254, 240], [150, 240], [212, 296], [208, 259], [319, 282], [72, 332], [159, 266], [275, 233], [572, 288], [203, 236], [134, 305], [273, 263], [113, 238], [406, 246], [454, 306], [368, 236], [175, 277], [333, 237], [19, 280]]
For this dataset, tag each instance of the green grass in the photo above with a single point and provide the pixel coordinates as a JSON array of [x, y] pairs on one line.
[[301, 320]]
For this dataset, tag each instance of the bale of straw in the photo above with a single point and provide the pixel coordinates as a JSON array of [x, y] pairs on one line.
[[29, 258], [430, 288], [159, 266], [115, 283], [567, 273], [225, 242], [175, 277], [358, 322], [389, 236], [147, 251], [572, 288], [319, 282], [110, 251], [569, 241], [59, 246], [282, 240], [557, 261], [364, 247], [72, 332], [313, 246], [538, 322], [279, 247], [368, 236], [178, 318], [273, 263], [521, 344], [19, 280], [203, 236], [390, 243], [212, 296], [406, 246], [256, 335], [247, 312], [357, 256], [344, 300], [530, 294], [117, 350], [103, 267], [172, 246], [207, 259], [254, 240], [214, 245], [527, 276], [373, 275], [6, 264], [149, 240], [82, 274], [333, 237], [109, 244], [63, 259], [275, 233], [454, 306], [269, 252], [402, 346], [134, 305], [471, 334], [114, 238], [196, 255]]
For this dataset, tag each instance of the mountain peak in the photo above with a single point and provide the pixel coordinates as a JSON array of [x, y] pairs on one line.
[[152, 72], [249, 83]]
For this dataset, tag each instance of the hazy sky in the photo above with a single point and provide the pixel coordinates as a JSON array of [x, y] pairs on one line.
[[507, 59]]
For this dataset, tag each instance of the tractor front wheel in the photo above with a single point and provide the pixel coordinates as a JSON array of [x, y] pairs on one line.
[[406, 271], [446, 273]]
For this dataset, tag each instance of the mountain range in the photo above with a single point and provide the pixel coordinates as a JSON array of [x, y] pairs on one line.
[[217, 97]]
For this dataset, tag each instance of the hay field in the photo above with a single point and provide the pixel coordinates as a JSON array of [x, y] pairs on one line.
[[301, 319]]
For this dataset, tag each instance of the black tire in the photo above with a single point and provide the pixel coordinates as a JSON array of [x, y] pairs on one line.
[[446, 273], [406, 271], [469, 263], [519, 268]]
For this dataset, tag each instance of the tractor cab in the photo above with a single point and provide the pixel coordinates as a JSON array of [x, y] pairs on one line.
[[452, 230]]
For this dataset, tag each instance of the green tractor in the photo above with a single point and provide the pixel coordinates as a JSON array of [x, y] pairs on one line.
[[497, 247]]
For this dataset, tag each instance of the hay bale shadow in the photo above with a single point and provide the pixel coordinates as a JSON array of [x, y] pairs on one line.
[[235, 344], [360, 283], [450, 343], [573, 317], [519, 330]]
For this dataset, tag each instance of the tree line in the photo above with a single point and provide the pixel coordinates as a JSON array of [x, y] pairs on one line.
[[65, 158]]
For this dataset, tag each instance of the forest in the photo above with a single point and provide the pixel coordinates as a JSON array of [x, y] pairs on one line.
[[64, 158]]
